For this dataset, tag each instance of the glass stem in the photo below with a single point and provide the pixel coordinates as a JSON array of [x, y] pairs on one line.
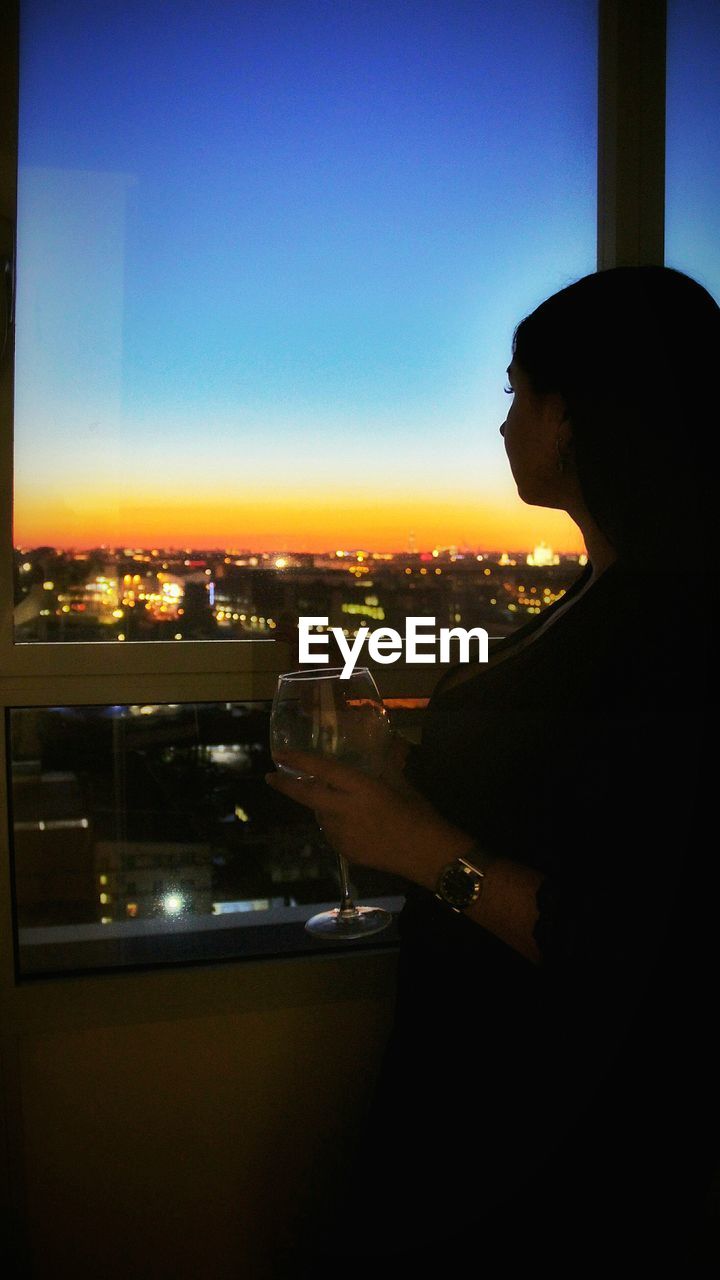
[[347, 906]]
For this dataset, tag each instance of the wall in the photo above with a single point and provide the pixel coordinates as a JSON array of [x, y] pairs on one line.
[[186, 1123]]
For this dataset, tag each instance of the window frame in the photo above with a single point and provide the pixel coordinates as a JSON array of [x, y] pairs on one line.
[[630, 160]]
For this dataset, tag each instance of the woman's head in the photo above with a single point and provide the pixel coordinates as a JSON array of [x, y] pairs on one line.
[[617, 374]]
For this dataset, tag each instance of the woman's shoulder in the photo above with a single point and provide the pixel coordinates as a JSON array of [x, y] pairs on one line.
[[654, 626], [619, 648], [506, 648]]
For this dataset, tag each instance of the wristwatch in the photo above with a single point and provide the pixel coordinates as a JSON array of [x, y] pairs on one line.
[[460, 883]]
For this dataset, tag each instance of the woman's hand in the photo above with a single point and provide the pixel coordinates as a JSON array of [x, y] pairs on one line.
[[393, 771], [370, 822]]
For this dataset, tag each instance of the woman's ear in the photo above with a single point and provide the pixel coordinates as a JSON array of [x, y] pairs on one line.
[[554, 408], [565, 431], [564, 441]]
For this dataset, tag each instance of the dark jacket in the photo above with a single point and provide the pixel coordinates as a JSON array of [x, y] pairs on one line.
[[569, 1104]]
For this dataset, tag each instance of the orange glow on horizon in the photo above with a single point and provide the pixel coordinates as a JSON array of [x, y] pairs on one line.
[[308, 523]]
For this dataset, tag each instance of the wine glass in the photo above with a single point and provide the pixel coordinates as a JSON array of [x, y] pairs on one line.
[[316, 711]]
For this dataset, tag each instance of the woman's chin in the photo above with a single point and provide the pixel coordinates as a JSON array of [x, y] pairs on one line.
[[537, 496]]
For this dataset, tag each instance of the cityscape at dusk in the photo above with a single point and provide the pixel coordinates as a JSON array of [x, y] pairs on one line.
[[265, 305], [129, 818], [131, 593]]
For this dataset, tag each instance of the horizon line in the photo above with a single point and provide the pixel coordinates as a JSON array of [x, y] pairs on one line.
[[283, 549]]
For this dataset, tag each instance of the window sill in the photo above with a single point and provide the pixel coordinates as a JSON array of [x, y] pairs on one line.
[[65, 951]]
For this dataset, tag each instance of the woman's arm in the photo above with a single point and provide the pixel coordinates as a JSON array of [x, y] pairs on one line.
[[508, 905], [373, 824]]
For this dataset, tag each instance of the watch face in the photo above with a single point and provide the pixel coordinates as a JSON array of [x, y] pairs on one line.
[[459, 886]]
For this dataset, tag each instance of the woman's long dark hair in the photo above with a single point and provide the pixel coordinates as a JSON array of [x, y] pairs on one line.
[[634, 352]]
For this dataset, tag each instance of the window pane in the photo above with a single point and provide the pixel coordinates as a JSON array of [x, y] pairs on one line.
[[692, 233], [270, 261], [147, 834]]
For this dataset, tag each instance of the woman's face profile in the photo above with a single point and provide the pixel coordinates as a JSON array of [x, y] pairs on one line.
[[536, 436]]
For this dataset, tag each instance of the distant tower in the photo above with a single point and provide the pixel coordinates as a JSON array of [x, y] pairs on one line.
[[543, 556], [412, 544]]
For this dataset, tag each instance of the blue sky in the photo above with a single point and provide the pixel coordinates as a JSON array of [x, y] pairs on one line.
[[270, 243]]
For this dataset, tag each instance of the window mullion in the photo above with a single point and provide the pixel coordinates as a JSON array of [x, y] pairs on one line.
[[631, 132], [161, 657]]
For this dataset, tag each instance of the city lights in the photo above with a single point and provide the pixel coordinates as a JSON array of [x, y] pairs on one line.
[[202, 593]]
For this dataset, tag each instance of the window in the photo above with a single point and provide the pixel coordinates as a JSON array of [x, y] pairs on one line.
[[264, 306], [149, 829], [281, 264]]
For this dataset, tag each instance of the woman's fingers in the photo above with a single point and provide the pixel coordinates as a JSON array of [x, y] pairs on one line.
[[395, 760], [309, 791], [331, 772]]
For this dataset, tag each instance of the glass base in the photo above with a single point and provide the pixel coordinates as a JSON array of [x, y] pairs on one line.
[[341, 925]]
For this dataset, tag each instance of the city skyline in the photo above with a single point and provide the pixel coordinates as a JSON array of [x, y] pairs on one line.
[[131, 593]]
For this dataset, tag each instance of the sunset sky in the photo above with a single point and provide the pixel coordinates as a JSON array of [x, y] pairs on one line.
[[270, 260]]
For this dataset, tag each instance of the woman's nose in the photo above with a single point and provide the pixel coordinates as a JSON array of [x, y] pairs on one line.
[[502, 430]]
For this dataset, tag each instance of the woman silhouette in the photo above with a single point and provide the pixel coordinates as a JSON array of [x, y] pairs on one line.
[[548, 1092]]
